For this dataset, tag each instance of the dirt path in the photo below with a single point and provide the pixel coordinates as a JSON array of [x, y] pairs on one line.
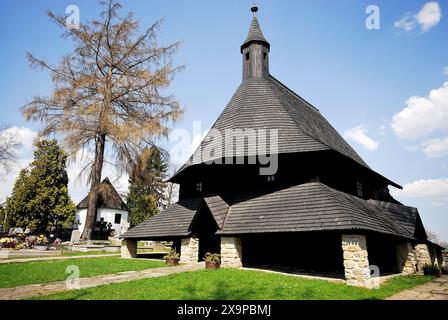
[[434, 290], [29, 291]]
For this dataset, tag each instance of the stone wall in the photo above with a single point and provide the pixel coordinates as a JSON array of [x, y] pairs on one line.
[[356, 262], [189, 250], [128, 249], [422, 257], [231, 252], [406, 258]]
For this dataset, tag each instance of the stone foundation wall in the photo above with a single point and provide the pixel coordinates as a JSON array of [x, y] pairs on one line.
[[422, 257], [406, 258], [128, 249], [189, 250], [356, 262], [440, 258], [231, 252]]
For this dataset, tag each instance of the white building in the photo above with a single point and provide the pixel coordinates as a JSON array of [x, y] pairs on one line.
[[111, 209]]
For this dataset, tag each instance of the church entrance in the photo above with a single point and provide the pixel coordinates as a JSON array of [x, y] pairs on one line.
[[204, 228], [208, 243]]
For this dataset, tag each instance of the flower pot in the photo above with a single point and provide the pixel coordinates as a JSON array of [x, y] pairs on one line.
[[439, 274], [212, 265], [172, 261], [40, 247]]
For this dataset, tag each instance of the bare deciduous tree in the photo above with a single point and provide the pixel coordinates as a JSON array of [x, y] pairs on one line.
[[172, 189], [432, 236], [108, 91], [8, 146]]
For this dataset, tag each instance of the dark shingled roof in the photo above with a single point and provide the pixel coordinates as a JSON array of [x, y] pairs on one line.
[[219, 208], [108, 197], [306, 207], [406, 216], [173, 221], [261, 103], [254, 35]]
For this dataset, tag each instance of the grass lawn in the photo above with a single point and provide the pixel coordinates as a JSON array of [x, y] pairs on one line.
[[18, 274], [228, 284]]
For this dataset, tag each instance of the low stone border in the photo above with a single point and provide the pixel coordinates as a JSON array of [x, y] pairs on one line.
[[23, 260]]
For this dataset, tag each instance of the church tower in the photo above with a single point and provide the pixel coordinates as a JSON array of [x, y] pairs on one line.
[[255, 51]]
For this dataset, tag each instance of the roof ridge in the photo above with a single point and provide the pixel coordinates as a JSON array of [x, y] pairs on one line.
[[294, 93], [290, 115], [353, 197], [390, 218], [378, 210], [351, 153], [391, 204]]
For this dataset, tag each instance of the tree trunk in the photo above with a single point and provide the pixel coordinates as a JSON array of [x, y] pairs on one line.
[[96, 180]]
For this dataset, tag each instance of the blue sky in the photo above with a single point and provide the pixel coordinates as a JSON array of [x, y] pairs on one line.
[[361, 80]]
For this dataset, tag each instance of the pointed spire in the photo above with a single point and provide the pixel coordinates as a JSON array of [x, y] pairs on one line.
[[255, 34]]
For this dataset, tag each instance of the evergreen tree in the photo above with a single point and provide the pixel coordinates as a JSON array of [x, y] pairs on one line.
[[146, 186], [40, 199]]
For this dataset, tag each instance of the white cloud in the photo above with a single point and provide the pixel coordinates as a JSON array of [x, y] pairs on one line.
[[435, 190], [436, 148], [423, 115], [359, 135], [407, 23], [428, 17], [24, 136], [445, 71]]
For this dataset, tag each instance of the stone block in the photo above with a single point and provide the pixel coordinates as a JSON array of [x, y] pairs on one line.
[[231, 252], [128, 249]]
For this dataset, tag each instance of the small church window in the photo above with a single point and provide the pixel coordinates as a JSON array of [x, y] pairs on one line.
[[199, 187], [247, 56], [117, 219], [265, 55], [359, 188], [271, 178]]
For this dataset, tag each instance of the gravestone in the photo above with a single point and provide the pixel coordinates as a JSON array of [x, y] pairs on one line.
[[76, 235]]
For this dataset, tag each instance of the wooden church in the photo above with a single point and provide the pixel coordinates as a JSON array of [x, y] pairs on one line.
[[321, 209]]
